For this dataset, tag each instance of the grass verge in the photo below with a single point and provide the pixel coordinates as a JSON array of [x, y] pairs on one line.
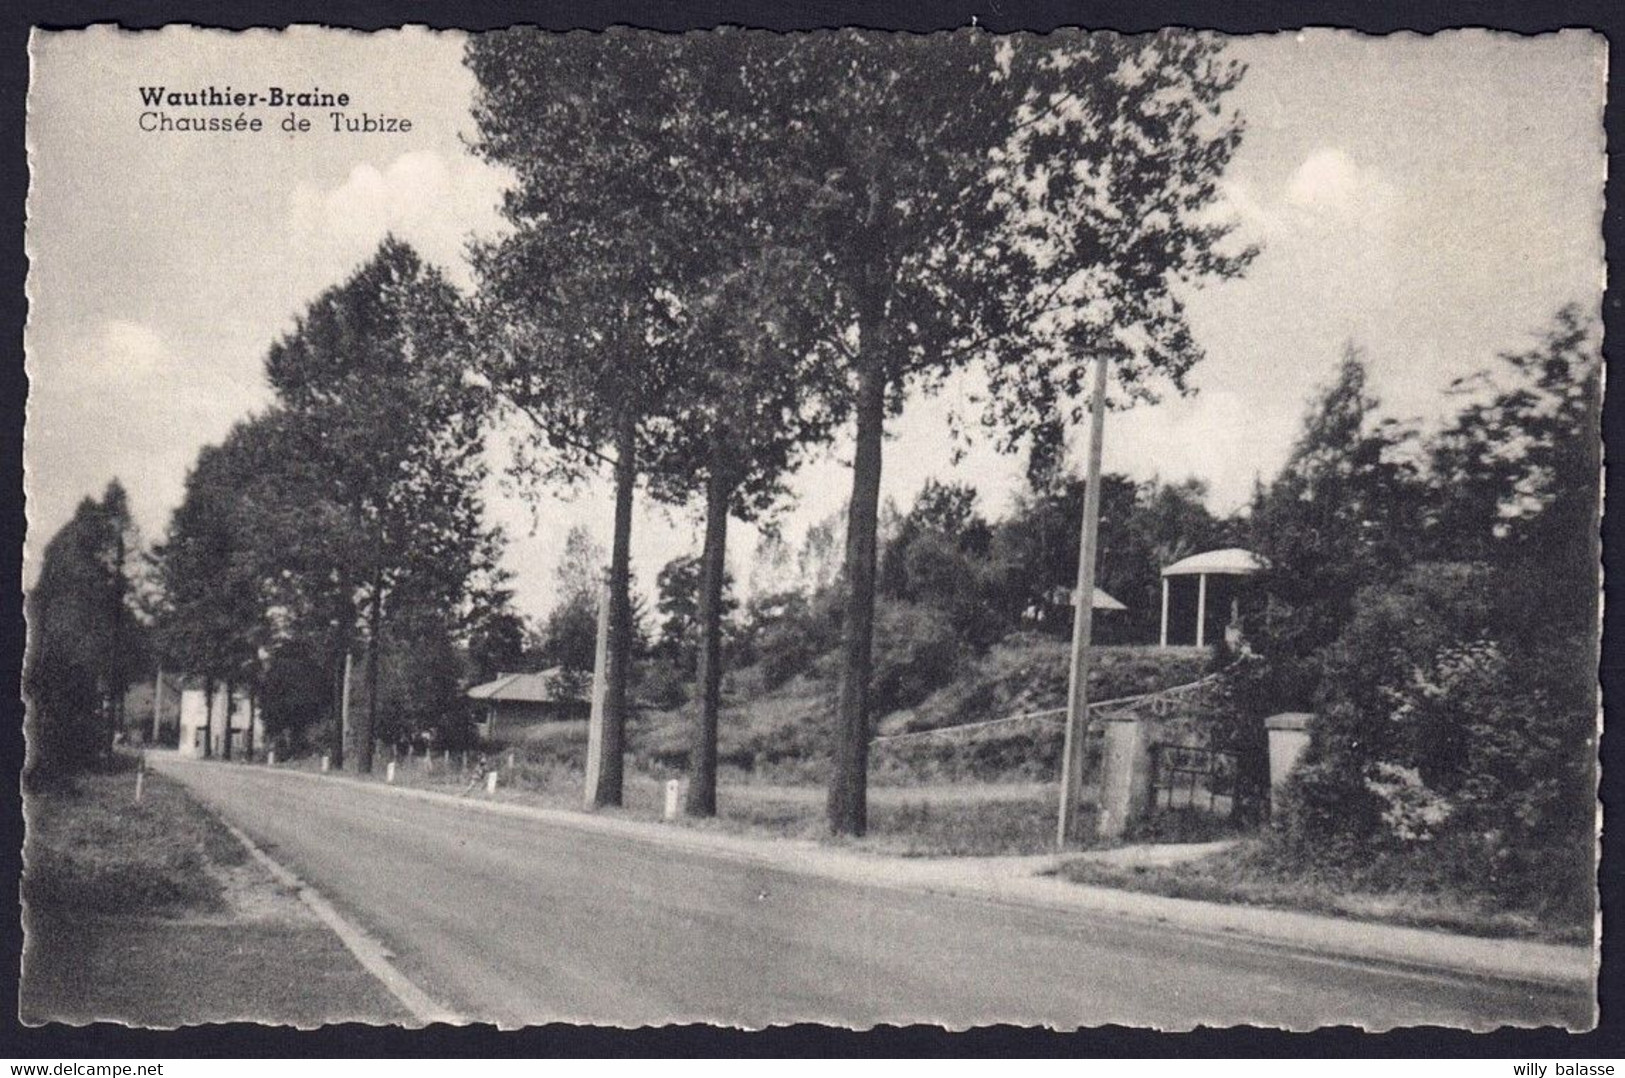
[[906, 824], [907, 828], [1247, 874], [92, 849], [152, 914]]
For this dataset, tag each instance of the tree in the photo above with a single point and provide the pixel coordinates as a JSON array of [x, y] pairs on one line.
[[1515, 477], [889, 175], [1346, 512], [690, 344], [576, 302], [81, 637], [234, 554], [677, 599], [765, 391], [968, 195], [497, 642], [375, 375]]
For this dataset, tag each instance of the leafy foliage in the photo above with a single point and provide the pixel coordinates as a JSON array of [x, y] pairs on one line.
[[358, 490], [1456, 699], [1345, 513], [677, 601], [83, 639]]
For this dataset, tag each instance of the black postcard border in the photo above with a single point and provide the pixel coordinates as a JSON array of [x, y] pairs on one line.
[[56, 1042]]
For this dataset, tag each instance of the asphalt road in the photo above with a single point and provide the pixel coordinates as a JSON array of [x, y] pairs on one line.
[[516, 921]]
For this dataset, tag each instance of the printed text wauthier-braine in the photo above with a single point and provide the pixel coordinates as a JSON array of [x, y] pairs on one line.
[[157, 99], [228, 98]]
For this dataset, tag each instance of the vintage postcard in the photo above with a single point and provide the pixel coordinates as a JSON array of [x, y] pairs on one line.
[[857, 528]]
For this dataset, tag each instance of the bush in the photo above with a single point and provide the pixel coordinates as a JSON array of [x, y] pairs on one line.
[[943, 576], [662, 684], [1396, 630], [916, 651], [791, 632], [1437, 757]]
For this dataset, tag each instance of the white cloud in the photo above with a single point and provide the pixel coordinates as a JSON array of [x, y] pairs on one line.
[[116, 354], [1329, 183], [130, 351], [419, 196]]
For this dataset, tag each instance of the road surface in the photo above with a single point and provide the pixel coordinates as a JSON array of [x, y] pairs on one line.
[[516, 921]]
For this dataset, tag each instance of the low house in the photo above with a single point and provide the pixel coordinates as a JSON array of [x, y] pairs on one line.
[[206, 723], [511, 701]]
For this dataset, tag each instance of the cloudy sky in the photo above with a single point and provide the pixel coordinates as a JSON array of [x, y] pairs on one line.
[[1432, 199]]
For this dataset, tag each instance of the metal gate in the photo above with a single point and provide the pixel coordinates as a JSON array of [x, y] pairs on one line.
[[1193, 777]]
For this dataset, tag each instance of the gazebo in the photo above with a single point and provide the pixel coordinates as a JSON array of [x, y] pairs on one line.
[[1216, 600]]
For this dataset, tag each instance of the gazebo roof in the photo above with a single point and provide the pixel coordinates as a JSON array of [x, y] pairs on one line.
[[1231, 561], [1100, 599]]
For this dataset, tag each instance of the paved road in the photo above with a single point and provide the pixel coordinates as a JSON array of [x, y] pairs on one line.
[[516, 921]]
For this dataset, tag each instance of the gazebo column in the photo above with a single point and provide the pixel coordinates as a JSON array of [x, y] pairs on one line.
[[1201, 609], [1164, 611]]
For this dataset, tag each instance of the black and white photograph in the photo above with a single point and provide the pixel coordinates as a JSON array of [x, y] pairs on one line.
[[849, 527]]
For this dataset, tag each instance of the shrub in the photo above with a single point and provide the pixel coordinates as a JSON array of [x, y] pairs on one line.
[[1396, 630], [791, 633], [916, 652], [661, 684], [1436, 757]]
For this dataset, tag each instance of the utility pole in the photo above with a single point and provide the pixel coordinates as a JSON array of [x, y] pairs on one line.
[[1083, 618], [600, 700]]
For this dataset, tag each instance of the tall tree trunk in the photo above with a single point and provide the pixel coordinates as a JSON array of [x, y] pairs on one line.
[[617, 697], [208, 717], [369, 726], [848, 806], [231, 710], [702, 752]]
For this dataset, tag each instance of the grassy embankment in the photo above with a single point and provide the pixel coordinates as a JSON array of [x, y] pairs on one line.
[[987, 793], [152, 914]]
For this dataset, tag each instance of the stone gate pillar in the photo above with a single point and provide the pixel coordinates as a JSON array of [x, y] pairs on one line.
[[1125, 774], [1289, 736]]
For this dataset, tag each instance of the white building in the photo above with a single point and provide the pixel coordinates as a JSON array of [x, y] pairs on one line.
[[204, 727]]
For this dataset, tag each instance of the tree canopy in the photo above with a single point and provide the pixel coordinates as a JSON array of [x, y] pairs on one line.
[[84, 637]]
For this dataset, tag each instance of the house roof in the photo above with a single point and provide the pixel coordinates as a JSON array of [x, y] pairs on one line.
[[1231, 561], [546, 687]]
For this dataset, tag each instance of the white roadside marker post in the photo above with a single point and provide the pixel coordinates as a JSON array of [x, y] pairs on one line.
[[389, 772], [327, 762], [672, 789], [491, 782], [510, 759], [270, 757], [140, 780]]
